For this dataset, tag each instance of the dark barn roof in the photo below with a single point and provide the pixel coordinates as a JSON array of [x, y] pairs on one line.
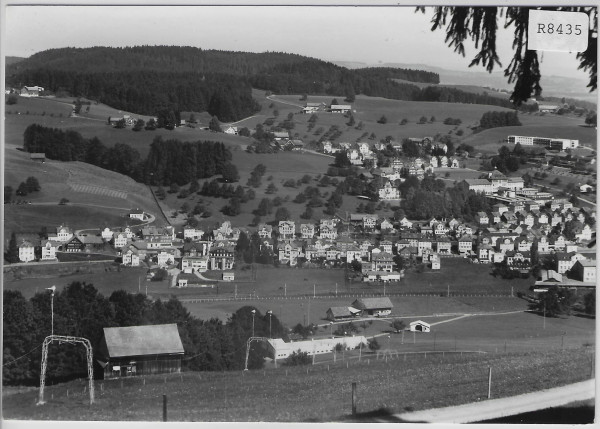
[[143, 340], [372, 303]]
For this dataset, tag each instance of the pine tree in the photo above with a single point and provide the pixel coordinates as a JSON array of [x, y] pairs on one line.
[[12, 253]]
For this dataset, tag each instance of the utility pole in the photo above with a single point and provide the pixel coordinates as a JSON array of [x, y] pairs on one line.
[[544, 314], [448, 291], [285, 289], [336, 289], [314, 290], [490, 384]]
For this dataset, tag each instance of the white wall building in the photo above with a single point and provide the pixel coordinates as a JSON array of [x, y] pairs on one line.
[[279, 349]]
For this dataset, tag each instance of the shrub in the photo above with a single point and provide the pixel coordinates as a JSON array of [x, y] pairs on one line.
[[297, 358]]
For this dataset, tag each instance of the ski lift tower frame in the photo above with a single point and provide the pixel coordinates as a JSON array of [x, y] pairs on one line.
[[70, 340], [250, 340]]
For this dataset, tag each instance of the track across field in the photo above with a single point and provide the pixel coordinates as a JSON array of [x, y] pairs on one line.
[[88, 189]]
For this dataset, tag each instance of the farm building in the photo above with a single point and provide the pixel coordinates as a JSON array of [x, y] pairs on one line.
[[38, 157], [31, 91], [279, 349], [136, 214], [340, 108], [140, 350], [383, 276], [374, 306], [419, 326], [342, 313]]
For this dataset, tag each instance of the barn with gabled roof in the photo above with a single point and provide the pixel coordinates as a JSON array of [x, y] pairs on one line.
[[374, 306], [140, 350]]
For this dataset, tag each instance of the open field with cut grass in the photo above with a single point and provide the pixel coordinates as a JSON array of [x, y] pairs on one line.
[[319, 393], [106, 278], [31, 218]]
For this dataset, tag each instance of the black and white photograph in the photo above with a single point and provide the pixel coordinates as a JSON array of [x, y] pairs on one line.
[[336, 212]]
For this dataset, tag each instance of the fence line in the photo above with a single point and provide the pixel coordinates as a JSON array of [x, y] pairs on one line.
[[345, 295]]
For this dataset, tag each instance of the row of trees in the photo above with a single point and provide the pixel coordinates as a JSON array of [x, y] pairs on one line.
[[27, 187], [80, 310], [168, 161], [498, 119], [430, 198]]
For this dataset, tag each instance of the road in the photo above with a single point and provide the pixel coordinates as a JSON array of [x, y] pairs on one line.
[[270, 97], [503, 407]]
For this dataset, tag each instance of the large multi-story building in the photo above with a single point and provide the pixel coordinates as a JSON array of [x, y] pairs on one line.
[[548, 142]]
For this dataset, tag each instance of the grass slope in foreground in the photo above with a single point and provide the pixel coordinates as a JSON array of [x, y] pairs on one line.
[[293, 395]]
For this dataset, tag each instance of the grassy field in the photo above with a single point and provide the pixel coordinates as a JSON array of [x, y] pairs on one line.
[[31, 218], [280, 167], [304, 310], [321, 393], [106, 282], [489, 141]]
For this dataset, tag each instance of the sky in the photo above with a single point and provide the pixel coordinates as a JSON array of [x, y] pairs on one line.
[[369, 35]]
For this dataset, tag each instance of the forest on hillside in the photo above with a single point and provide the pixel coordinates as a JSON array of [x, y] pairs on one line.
[[168, 162], [147, 79], [80, 310]]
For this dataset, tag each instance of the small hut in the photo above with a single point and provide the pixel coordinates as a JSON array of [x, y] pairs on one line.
[[420, 326]]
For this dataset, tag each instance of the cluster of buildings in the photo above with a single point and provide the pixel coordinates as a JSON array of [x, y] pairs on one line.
[[31, 91], [196, 251], [329, 243], [506, 234], [362, 154], [362, 307], [496, 182], [322, 107]]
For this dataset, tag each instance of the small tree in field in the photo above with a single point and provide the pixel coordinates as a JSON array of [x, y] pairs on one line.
[[374, 344], [398, 325]]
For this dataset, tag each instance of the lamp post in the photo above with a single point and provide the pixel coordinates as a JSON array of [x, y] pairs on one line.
[[52, 290], [270, 313], [253, 313], [331, 328]]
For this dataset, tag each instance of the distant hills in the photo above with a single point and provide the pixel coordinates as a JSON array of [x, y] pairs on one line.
[[150, 79], [557, 86], [13, 60]]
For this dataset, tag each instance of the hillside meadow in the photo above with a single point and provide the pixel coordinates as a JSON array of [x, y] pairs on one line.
[[320, 393], [568, 127]]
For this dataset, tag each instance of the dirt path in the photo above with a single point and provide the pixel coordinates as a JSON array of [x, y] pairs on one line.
[[496, 408], [270, 97]]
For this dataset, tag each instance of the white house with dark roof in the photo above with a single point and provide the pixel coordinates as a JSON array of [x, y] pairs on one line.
[[131, 257], [264, 230], [49, 249], [31, 91], [307, 230], [287, 229], [192, 233], [389, 192], [26, 251], [136, 214]]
